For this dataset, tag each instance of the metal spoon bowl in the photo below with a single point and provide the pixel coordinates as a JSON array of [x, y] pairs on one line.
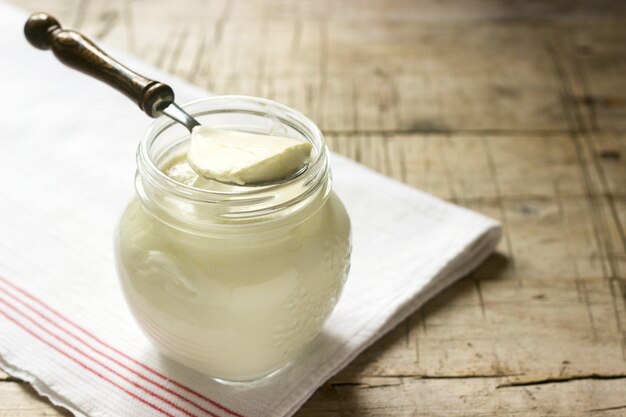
[[178, 114]]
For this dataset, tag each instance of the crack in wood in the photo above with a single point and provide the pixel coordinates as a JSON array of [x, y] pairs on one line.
[[429, 377], [81, 13], [127, 17], [12, 379], [596, 377], [176, 52], [108, 21], [198, 58], [597, 410], [481, 300], [445, 133], [493, 172]]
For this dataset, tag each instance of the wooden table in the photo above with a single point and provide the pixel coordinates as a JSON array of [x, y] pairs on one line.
[[516, 109]]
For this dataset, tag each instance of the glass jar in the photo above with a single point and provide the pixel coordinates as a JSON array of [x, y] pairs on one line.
[[232, 281]]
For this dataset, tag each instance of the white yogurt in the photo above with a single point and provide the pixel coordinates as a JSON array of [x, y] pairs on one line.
[[245, 158]]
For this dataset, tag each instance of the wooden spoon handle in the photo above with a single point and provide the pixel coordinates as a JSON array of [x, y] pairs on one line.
[[77, 51]]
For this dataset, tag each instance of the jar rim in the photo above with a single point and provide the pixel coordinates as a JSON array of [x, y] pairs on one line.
[[148, 167], [242, 204]]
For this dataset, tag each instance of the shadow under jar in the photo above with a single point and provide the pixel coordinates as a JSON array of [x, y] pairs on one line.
[[232, 281]]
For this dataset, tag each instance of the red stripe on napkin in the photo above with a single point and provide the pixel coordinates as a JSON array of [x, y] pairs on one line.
[[82, 364], [88, 356], [78, 350]]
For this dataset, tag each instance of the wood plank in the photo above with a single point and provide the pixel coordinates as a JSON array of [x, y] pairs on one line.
[[389, 397], [465, 167], [442, 74]]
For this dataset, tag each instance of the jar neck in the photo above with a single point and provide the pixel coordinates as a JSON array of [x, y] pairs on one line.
[[237, 209]]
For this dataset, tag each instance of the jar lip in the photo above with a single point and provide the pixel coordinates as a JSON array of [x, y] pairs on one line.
[[147, 167]]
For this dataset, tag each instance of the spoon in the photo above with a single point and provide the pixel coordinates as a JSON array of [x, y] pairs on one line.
[[77, 51]]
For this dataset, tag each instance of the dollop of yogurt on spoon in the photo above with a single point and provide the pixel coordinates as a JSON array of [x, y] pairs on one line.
[[245, 158]]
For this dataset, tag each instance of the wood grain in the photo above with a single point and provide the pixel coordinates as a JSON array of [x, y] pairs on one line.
[[516, 109]]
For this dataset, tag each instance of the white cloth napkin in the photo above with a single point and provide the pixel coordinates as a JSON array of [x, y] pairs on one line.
[[66, 172]]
